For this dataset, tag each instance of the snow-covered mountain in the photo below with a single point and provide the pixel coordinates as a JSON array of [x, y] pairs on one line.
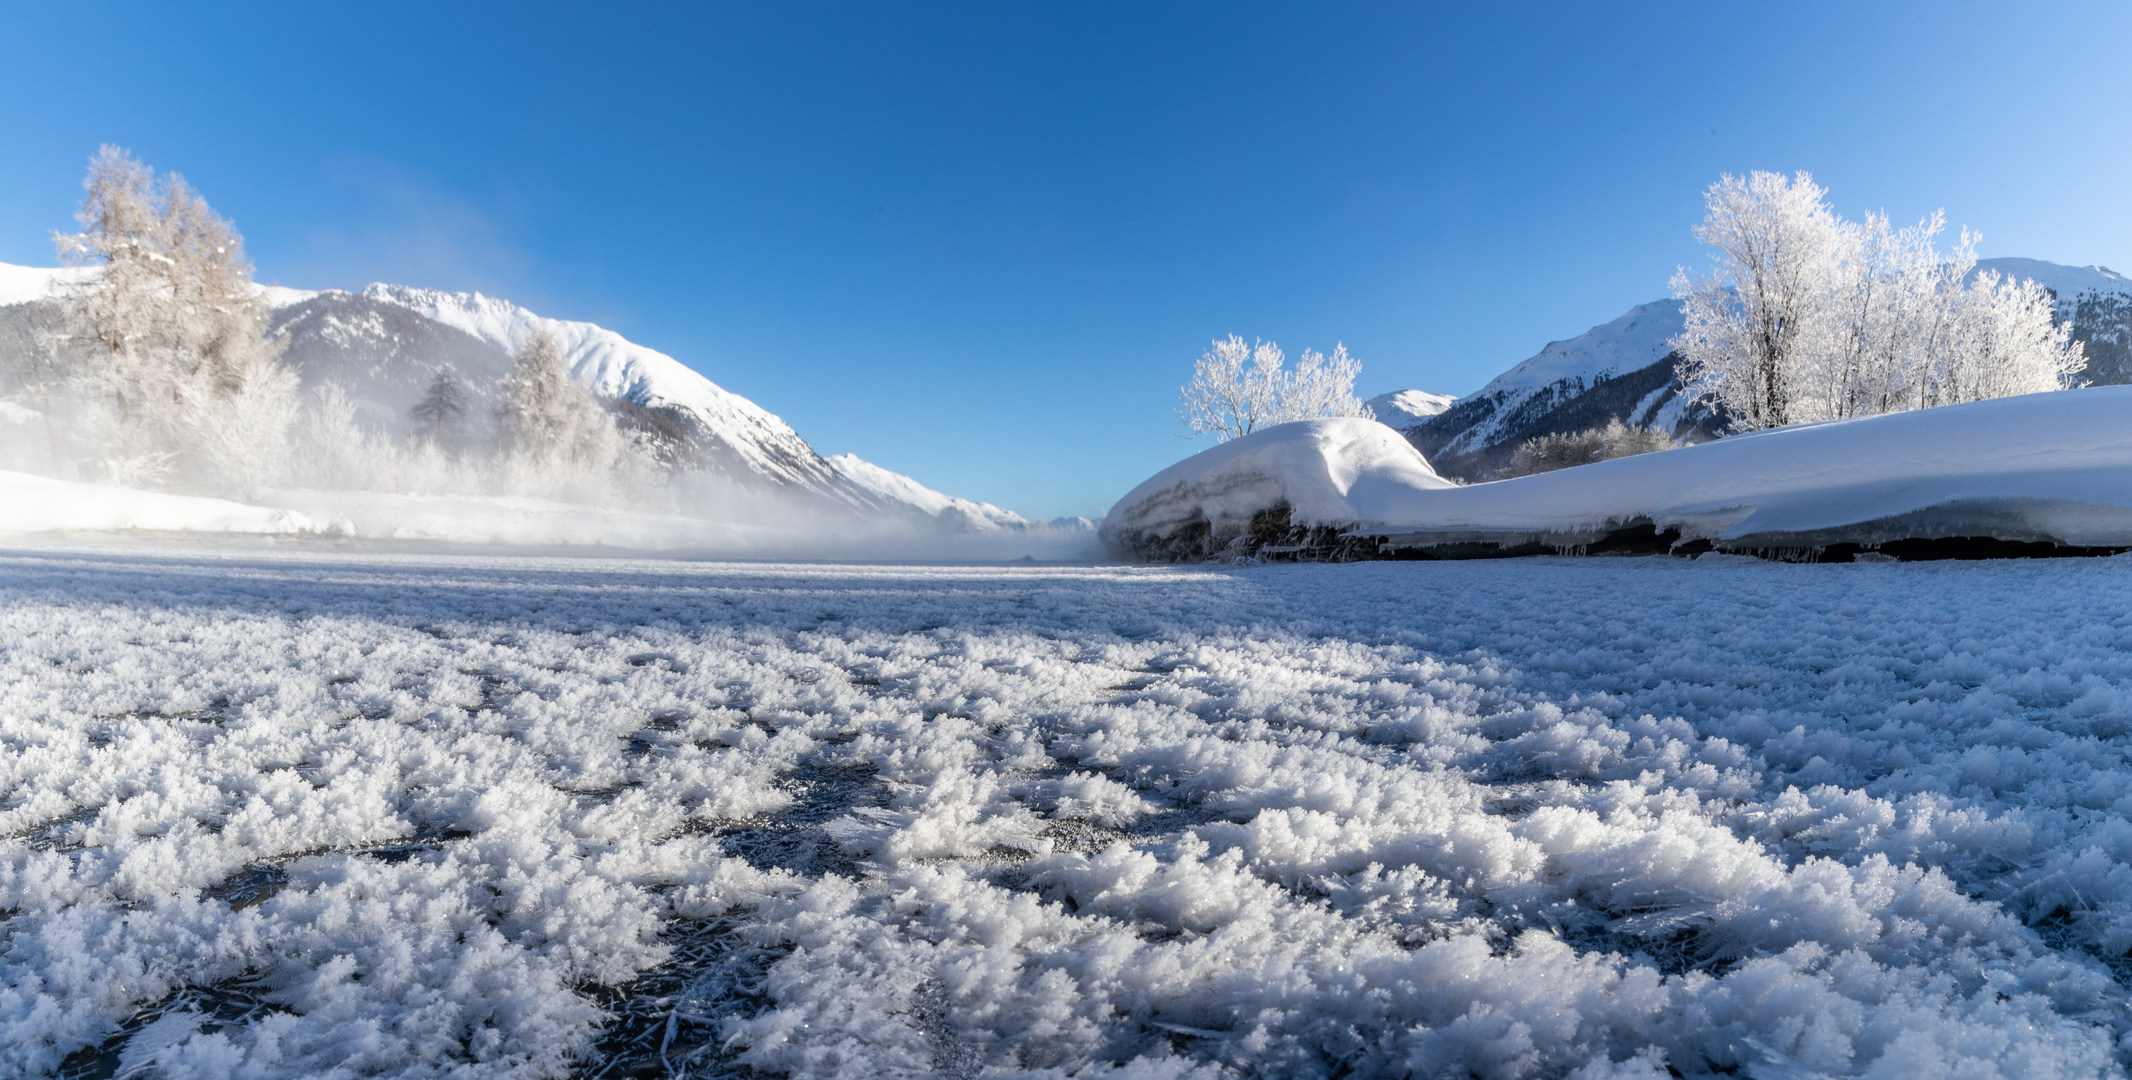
[[384, 345], [1624, 370], [1402, 409], [897, 488]]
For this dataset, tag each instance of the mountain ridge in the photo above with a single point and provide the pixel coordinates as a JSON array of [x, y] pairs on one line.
[[382, 345]]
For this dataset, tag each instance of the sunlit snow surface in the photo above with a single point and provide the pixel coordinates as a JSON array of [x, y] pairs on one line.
[[318, 813]]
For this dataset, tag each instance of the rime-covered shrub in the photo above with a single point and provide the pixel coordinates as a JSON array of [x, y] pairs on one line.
[[1560, 451]]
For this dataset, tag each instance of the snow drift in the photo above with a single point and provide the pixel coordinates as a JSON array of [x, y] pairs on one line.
[[2051, 468]]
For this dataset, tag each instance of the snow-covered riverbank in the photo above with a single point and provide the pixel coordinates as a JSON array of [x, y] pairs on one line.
[[285, 814], [2050, 468]]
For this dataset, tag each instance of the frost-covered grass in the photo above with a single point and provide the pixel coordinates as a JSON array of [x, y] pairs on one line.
[[275, 814]]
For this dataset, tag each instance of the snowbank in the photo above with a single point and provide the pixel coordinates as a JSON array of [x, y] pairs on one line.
[[2054, 468], [35, 504]]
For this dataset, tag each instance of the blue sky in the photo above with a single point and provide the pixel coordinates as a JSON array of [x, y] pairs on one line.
[[981, 244]]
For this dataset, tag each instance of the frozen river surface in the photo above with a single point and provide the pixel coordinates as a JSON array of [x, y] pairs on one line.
[[317, 813]]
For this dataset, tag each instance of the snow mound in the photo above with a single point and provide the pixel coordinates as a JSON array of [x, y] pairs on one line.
[[1403, 409], [1324, 472], [36, 504]]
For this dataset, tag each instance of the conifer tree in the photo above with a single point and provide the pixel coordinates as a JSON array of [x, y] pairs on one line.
[[443, 406]]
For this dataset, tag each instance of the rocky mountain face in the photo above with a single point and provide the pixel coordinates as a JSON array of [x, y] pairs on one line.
[[1625, 370]]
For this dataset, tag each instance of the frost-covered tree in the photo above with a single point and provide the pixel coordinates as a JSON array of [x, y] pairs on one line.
[[1809, 317], [2004, 342], [178, 344], [1237, 388], [443, 406], [553, 433], [1232, 387], [1322, 385], [540, 410], [1890, 294], [1776, 242]]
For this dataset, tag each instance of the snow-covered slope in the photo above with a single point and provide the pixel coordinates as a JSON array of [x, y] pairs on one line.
[[895, 487], [2053, 468], [1402, 409], [1623, 370], [742, 438], [2068, 282]]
